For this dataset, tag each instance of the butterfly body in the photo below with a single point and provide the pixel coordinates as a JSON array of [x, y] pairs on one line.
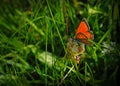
[[83, 33]]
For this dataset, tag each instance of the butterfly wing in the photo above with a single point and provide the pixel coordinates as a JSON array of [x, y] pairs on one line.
[[83, 26], [85, 37]]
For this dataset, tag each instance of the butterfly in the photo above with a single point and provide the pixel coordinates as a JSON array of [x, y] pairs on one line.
[[83, 33]]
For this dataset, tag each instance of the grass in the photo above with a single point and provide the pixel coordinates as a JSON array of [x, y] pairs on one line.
[[33, 42]]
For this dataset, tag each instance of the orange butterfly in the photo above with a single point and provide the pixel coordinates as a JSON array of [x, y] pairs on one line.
[[83, 33]]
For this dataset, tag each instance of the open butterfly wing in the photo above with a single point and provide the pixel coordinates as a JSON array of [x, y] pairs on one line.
[[83, 26], [81, 36], [85, 37]]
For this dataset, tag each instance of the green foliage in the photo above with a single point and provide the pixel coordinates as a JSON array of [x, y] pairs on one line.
[[33, 42]]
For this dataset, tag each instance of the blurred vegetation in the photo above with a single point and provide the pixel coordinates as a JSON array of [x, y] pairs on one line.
[[33, 42]]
